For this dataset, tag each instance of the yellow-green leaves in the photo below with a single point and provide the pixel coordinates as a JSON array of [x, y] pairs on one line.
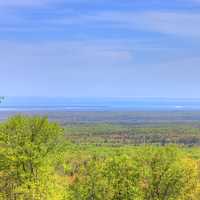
[[35, 166], [148, 173], [28, 149]]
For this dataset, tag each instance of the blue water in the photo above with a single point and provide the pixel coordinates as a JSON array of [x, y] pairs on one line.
[[98, 104]]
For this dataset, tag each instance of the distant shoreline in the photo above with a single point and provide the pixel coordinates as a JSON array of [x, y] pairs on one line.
[[127, 117]]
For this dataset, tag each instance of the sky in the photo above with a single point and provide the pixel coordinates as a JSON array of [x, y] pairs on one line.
[[100, 48]]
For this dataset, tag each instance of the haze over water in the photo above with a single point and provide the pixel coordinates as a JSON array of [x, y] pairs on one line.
[[98, 104]]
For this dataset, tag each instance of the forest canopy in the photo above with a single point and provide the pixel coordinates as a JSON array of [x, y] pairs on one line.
[[36, 162]]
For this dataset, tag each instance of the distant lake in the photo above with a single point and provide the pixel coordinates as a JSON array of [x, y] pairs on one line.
[[98, 104]]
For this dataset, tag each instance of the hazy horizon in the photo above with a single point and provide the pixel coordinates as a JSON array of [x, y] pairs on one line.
[[98, 104]]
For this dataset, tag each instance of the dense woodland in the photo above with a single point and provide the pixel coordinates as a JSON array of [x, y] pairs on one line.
[[40, 160], [187, 134]]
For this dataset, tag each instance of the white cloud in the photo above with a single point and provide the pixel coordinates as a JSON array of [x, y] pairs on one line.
[[60, 67], [176, 23], [172, 23], [69, 54], [184, 24], [86, 67]]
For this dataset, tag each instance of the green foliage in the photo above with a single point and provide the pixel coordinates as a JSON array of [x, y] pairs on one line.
[[123, 176], [167, 174], [28, 146], [89, 183], [112, 178], [145, 173], [121, 134], [36, 165]]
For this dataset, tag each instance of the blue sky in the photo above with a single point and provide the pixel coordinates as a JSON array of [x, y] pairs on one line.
[[100, 48]]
